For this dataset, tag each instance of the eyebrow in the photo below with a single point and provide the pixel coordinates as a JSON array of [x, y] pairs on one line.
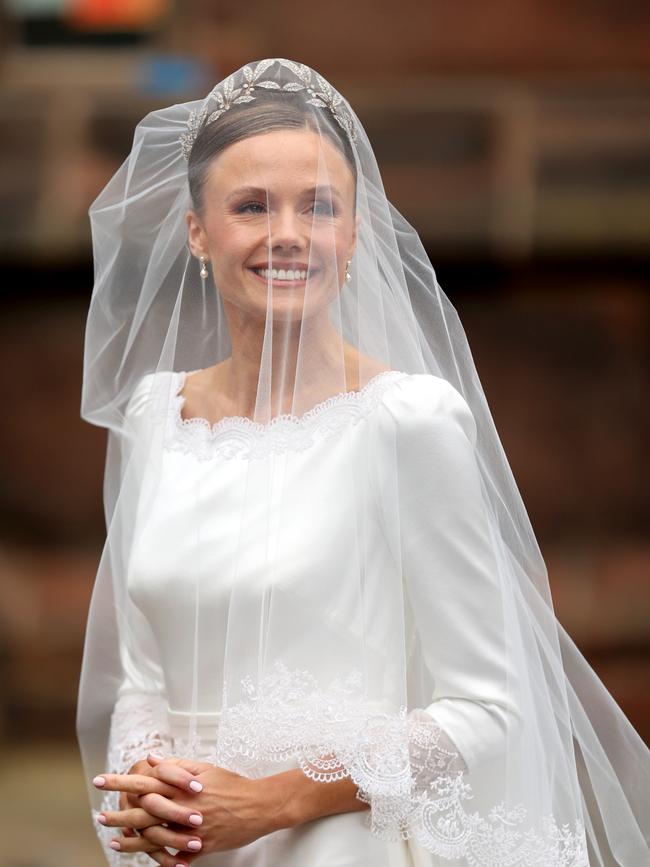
[[262, 191]]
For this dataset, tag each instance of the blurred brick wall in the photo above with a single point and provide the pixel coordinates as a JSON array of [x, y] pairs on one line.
[[381, 38]]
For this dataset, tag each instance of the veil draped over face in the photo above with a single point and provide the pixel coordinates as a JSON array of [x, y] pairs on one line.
[[316, 552]]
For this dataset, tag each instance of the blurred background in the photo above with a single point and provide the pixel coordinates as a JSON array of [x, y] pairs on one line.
[[525, 167]]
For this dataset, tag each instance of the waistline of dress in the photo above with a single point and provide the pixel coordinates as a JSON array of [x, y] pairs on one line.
[[184, 725]]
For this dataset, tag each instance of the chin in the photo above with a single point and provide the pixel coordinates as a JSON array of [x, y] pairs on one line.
[[286, 305]]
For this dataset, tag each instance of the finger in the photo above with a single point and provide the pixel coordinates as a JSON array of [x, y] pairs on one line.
[[132, 844], [169, 811], [192, 765], [134, 784], [176, 774], [176, 840], [156, 758], [133, 818], [181, 859]]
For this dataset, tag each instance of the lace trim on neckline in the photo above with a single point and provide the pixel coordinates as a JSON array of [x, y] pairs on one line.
[[238, 436]]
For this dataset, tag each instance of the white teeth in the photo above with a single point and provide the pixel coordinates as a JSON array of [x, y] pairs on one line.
[[281, 274]]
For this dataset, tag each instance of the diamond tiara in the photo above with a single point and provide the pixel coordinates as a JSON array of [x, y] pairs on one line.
[[318, 92]]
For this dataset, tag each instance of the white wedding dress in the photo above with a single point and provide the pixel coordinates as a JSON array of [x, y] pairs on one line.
[[469, 702]]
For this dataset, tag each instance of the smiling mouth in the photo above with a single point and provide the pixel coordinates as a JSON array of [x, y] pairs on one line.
[[284, 275]]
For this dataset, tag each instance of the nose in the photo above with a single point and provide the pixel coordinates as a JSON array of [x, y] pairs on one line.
[[286, 230]]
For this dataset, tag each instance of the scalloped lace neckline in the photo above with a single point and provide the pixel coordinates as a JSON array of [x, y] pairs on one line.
[[239, 436]]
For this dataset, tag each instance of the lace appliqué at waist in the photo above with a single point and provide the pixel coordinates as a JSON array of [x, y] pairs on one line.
[[239, 437]]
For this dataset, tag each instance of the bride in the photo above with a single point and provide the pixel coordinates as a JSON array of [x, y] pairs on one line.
[[321, 631]]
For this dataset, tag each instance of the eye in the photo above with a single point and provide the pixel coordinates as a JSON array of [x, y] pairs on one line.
[[251, 208], [325, 207]]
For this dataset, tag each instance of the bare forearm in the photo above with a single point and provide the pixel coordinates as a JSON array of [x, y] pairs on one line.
[[300, 799]]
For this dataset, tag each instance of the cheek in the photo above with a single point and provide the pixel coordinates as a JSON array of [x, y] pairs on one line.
[[335, 238], [229, 242]]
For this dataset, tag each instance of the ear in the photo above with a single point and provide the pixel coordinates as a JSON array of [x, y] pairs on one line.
[[196, 235]]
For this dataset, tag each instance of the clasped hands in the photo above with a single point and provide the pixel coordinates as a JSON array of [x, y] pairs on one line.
[[194, 807]]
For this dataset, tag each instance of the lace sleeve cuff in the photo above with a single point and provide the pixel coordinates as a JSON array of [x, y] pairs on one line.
[[398, 760], [138, 726], [401, 762], [406, 765]]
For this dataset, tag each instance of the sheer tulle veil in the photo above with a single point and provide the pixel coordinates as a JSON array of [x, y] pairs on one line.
[[299, 440]]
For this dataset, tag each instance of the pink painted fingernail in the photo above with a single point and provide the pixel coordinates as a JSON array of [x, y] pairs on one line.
[[156, 755], [115, 845], [101, 819], [195, 819], [99, 781], [195, 786], [194, 845], [180, 865]]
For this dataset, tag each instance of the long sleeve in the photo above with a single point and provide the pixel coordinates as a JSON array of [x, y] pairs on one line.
[[138, 726], [437, 524], [450, 568], [139, 722]]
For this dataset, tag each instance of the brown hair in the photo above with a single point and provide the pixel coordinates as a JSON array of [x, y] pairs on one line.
[[269, 111]]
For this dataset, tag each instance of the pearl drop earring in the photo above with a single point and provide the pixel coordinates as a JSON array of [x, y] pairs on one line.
[[204, 267], [348, 276]]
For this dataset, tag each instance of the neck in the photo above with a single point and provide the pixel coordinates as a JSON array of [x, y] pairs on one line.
[[318, 373]]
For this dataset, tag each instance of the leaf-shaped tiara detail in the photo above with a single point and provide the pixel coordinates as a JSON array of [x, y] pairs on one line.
[[227, 93]]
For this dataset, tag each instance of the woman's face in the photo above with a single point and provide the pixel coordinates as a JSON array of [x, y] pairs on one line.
[[282, 199]]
